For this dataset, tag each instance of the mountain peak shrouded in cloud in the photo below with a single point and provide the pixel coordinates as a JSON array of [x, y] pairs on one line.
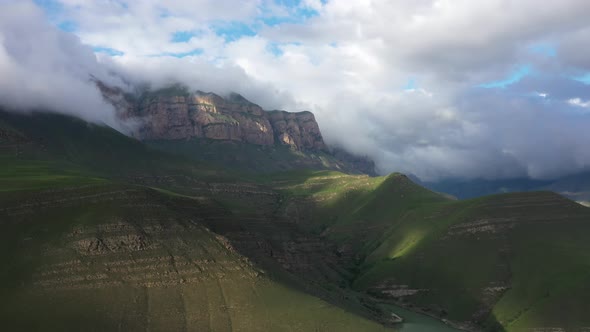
[[477, 71], [45, 69]]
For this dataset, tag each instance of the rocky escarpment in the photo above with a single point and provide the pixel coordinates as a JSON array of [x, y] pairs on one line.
[[296, 129], [174, 113]]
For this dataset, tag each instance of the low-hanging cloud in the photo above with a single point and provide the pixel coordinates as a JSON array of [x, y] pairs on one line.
[[45, 69], [198, 75]]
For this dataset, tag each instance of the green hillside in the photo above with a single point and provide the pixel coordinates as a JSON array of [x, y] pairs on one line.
[[513, 261], [101, 232], [250, 158], [109, 257], [84, 249]]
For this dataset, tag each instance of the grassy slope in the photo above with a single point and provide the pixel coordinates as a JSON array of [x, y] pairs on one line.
[[355, 209], [526, 261], [250, 158], [68, 143], [157, 270], [527, 266], [83, 250]]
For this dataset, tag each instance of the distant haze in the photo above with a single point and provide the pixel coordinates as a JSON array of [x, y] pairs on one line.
[[490, 89]]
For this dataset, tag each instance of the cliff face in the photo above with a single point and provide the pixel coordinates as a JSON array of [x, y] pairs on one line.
[[203, 115], [296, 129], [176, 114]]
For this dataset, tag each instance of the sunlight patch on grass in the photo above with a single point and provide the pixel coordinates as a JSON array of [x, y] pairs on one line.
[[409, 242]]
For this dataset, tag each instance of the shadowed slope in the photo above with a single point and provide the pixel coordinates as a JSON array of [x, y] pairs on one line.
[[117, 257], [84, 249]]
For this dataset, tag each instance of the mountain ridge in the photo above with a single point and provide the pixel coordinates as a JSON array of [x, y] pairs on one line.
[[177, 114], [120, 211]]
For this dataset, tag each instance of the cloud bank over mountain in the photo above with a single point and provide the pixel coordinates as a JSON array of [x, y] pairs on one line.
[[491, 89], [43, 68]]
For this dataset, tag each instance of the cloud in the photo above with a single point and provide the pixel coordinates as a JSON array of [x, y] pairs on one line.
[[198, 74], [43, 68], [437, 88], [579, 102]]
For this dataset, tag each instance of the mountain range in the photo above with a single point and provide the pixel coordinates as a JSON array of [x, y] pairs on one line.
[[574, 186], [212, 214]]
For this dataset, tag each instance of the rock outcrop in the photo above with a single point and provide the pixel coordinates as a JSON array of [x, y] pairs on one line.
[[203, 115], [296, 129], [174, 113], [362, 164]]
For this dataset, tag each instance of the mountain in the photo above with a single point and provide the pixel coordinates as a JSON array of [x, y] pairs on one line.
[[197, 123], [514, 262], [92, 240], [101, 231], [465, 189], [575, 186]]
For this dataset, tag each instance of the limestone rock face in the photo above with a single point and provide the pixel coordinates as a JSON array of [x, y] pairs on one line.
[[174, 113], [202, 115], [297, 129]]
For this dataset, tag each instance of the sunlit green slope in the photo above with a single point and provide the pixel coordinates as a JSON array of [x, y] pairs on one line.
[[514, 261]]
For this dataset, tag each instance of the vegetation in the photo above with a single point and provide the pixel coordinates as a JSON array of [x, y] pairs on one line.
[[508, 262], [100, 231], [81, 251], [249, 159]]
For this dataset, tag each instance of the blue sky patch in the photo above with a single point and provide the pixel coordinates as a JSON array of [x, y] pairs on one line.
[[182, 36], [234, 30], [288, 3], [516, 76], [298, 13], [197, 51], [298, 16], [544, 49], [411, 85], [107, 50], [54, 11], [68, 26], [52, 7], [275, 49], [582, 78]]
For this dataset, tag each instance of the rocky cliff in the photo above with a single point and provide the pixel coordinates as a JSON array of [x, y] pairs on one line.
[[174, 113], [296, 129]]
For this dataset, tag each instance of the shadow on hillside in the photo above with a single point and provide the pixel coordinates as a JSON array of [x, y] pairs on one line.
[[357, 219]]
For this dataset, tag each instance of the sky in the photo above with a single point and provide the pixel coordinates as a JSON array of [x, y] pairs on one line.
[[435, 88]]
